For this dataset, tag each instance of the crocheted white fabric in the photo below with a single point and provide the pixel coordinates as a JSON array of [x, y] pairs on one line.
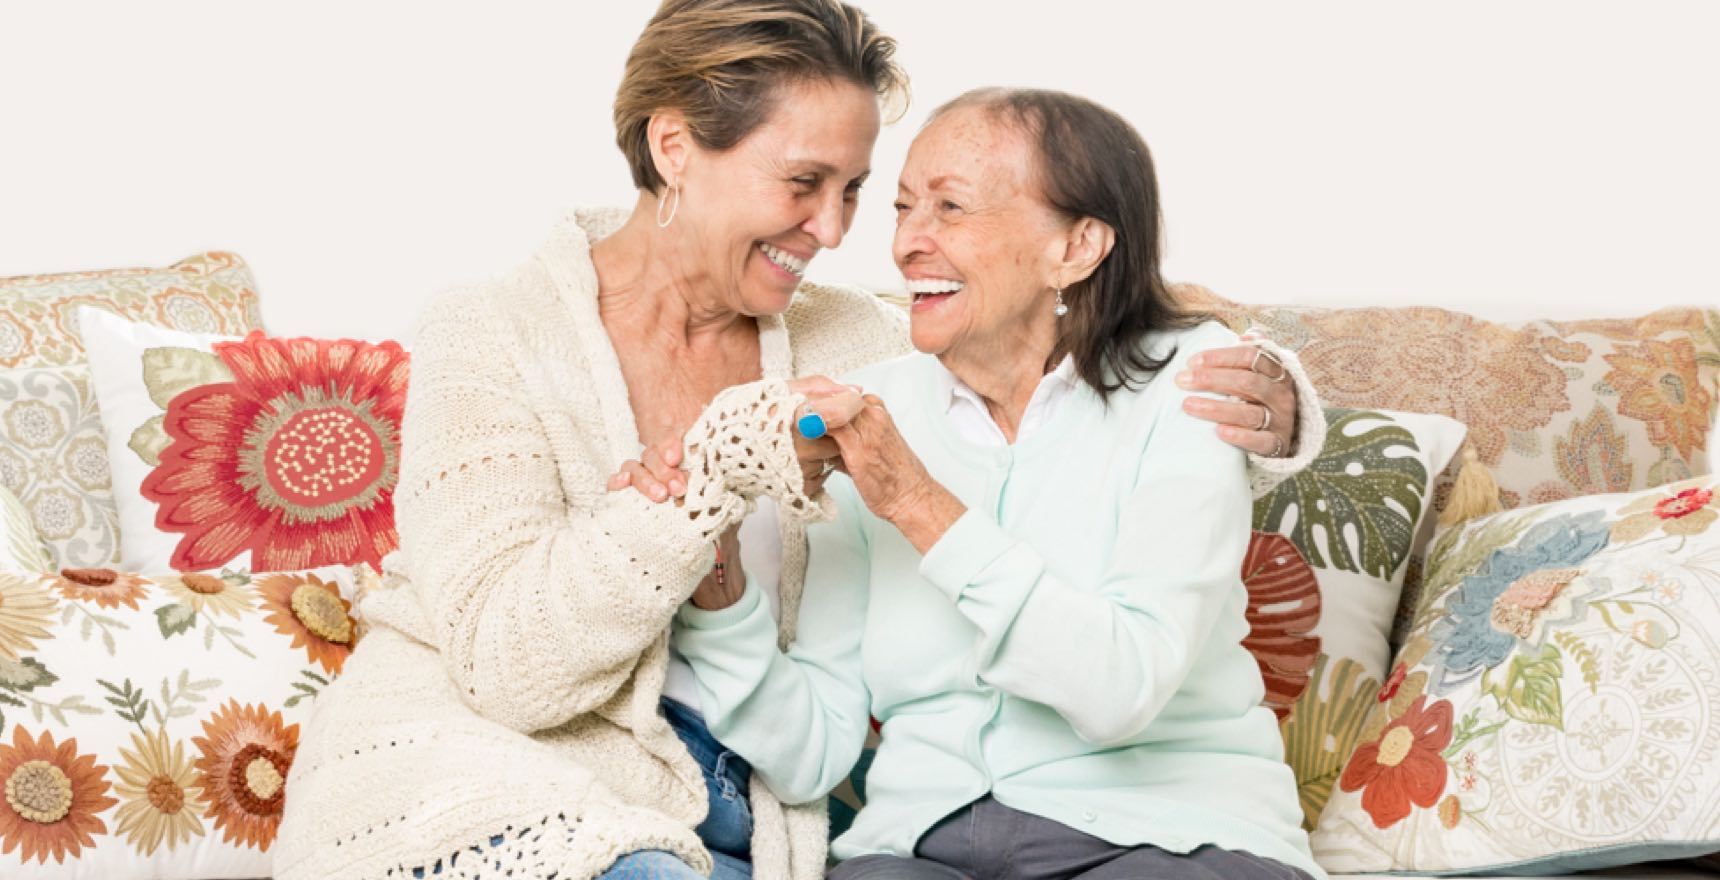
[[508, 686]]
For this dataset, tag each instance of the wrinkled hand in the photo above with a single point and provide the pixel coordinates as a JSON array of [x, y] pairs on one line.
[[714, 593], [1236, 372], [891, 479], [838, 404]]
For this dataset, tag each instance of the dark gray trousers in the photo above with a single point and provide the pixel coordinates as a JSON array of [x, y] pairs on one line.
[[989, 841]]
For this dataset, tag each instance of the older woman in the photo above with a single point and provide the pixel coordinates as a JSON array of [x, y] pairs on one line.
[[1033, 577], [506, 715]]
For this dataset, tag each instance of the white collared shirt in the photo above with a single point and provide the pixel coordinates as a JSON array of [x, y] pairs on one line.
[[972, 419]]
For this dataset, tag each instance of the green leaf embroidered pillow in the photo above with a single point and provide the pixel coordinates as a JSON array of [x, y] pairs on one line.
[[1557, 705], [1324, 573], [271, 454], [147, 724]]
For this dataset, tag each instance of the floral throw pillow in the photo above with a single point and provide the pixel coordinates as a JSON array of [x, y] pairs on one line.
[[1324, 572], [274, 454], [52, 453], [23, 551], [1557, 706], [148, 723]]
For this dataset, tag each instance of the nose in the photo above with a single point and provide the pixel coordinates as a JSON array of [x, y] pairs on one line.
[[829, 222], [913, 238]]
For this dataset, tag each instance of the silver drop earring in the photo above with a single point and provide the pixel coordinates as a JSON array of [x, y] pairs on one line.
[[1060, 309]]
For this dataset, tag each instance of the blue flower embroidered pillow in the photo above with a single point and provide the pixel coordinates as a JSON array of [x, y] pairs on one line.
[[1557, 704]]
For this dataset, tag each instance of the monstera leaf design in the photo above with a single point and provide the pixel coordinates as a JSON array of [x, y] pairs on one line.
[[1345, 493], [1283, 609]]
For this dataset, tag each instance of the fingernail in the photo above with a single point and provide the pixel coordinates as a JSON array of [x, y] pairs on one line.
[[678, 487], [1185, 379], [1198, 360], [657, 493]]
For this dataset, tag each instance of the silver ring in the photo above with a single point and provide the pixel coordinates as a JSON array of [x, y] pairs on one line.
[[1283, 371], [1277, 447], [1265, 418]]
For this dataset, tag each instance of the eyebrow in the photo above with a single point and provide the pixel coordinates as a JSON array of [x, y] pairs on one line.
[[944, 180], [824, 168]]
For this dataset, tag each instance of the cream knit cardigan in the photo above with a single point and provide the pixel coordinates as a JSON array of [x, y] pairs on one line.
[[500, 718]]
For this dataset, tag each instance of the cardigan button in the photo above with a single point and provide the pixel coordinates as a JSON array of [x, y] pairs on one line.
[[1089, 816]]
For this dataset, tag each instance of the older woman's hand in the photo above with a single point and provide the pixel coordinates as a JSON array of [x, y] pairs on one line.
[[891, 479], [1262, 419]]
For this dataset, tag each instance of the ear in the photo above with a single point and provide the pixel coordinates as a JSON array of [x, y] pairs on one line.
[[670, 142], [1086, 245]]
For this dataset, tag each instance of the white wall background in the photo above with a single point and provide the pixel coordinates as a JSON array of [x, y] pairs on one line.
[[1515, 159]]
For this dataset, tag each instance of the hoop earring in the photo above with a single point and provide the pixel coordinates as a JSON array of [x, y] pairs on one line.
[[1060, 309], [663, 222]]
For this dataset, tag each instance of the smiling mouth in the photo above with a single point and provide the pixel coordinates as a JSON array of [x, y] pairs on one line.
[[783, 260], [928, 290]]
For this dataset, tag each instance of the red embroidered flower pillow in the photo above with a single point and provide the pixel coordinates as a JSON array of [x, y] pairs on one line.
[[271, 454]]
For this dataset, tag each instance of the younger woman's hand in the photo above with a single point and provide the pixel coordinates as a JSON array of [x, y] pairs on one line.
[[656, 473]]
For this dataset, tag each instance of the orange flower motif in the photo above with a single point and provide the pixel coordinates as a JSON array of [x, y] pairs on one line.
[[1682, 509], [1283, 608], [52, 797], [1450, 812], [1658, 384], [1404, 765], [246, 753], [1492, 378], [103, 586], [314, 614], [294, 460], [26, 612]]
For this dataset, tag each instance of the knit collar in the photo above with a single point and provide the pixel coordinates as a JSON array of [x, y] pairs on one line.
[[567, 258]]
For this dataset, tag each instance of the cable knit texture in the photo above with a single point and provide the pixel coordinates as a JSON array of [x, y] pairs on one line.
[[509, 683]]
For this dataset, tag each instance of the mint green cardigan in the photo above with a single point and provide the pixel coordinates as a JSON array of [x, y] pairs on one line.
[[1071, 646]]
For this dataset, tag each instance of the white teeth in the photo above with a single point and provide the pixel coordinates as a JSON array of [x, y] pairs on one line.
[[933, 285], [784, 260]]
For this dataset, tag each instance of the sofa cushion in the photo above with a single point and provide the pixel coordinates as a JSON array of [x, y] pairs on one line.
[[22, 550], [1557, 705], [1324, 571], [147, 723], [1555, 409], [52, 453], [265, 453]]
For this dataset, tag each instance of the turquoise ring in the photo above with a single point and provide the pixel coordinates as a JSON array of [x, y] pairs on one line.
[[811, 426]]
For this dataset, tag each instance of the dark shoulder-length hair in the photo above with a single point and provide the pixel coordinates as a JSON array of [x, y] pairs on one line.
[[1092, 163]]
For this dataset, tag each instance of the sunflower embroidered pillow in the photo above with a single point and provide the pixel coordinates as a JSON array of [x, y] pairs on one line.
[[264, 453], [1557, 705], [1324, 572], [147, 724], [52, 452]]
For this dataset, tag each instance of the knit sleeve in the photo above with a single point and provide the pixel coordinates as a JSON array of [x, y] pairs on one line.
[[1264, 474], [541, 608]]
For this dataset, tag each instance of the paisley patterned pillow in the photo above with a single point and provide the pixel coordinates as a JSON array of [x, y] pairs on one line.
[[147, 723], [1557, 705], [53, 456], [274, 454]]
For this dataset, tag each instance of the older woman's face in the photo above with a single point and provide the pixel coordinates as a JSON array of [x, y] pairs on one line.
[[974, 239], [759, 212]]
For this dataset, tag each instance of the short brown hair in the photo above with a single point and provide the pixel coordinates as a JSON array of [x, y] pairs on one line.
[[1092, 163], [720, 62]]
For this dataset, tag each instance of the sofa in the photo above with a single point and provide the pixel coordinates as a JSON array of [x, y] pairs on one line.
[[1482, 615]]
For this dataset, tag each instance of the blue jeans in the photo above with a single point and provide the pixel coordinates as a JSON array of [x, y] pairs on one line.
[[727, 829]]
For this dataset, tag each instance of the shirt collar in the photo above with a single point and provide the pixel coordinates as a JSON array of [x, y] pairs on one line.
[[952, 388]]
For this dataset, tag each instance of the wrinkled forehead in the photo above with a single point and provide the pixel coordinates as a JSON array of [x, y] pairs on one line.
[[974, 143]]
